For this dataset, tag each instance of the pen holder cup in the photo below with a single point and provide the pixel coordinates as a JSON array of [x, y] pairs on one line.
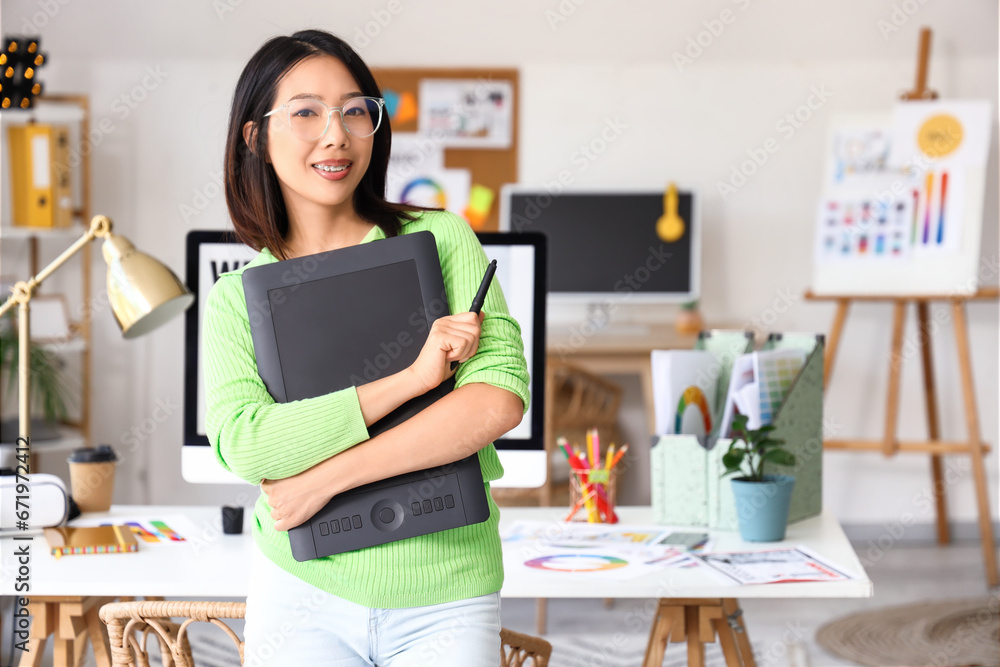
[[592, 494]]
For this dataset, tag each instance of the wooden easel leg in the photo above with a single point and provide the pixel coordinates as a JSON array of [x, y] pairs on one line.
[[930, 398], [889, 444], [831, 349], [975, 443]]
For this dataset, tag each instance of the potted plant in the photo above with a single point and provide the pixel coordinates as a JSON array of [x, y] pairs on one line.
[[47, 387], [761, 499], [689, 319]]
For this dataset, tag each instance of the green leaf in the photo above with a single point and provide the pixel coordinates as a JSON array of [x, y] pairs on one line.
[[780, 457], [732, 460]]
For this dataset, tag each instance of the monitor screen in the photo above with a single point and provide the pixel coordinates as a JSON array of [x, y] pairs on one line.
[[520, 273], [605, 244]]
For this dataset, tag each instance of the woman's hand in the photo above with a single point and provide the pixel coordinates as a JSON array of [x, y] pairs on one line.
[[451, 338], [295, 499]]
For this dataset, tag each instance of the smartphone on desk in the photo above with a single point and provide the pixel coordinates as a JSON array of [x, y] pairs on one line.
[[685, 540]]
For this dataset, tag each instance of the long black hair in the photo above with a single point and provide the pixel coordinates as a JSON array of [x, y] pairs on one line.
[[253, 195]]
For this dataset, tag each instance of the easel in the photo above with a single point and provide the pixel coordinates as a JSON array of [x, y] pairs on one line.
[[889, 445]]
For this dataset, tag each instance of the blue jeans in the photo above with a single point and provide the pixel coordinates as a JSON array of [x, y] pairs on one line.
[[291, 623]]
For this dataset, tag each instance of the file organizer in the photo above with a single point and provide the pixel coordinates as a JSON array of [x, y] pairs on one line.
[[687, 484]]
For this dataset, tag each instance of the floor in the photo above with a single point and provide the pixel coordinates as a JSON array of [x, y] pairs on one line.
[[783, 631]]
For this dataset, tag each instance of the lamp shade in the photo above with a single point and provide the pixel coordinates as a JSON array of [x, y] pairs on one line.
[[143, 293]]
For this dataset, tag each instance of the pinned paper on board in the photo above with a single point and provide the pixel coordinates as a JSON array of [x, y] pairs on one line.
[[467, 113], [480, 202], [443, 188]]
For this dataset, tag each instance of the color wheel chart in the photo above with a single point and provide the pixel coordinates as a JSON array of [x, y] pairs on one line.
[[576, 563]]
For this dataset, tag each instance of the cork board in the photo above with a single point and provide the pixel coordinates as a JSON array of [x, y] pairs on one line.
[[491, 167]]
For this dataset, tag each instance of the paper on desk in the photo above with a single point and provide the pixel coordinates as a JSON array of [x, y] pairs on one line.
[[552, 534], [154, 531], [598, 551], [789, 565]]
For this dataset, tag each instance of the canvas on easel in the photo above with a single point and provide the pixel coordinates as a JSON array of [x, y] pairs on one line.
[[902, 206]]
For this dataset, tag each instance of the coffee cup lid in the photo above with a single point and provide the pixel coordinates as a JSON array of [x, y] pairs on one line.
[[99, 454]]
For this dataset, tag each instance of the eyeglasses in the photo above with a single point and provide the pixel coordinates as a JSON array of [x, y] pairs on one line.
[[310, 119]]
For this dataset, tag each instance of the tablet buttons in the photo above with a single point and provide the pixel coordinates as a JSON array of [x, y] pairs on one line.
[[387, 515]]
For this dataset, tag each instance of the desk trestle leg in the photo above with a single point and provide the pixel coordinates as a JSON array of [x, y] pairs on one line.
[[699, 621]]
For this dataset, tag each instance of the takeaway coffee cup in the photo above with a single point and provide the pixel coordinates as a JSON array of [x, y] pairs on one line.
[[92, 477]]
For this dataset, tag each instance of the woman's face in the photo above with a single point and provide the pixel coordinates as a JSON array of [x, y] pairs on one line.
[[295, 160]]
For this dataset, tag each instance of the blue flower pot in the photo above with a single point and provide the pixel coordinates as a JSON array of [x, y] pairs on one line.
[[762, 507]]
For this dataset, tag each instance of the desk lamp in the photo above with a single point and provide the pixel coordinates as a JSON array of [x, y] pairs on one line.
[[142, 292]]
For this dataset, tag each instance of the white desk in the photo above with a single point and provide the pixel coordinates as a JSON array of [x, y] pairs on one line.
[[213, 565], [822, 534]]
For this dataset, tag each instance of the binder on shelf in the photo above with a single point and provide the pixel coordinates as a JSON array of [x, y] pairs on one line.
[[40, 177], [687, 484]]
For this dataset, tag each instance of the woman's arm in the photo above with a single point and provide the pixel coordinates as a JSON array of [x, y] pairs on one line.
[[452, 428]]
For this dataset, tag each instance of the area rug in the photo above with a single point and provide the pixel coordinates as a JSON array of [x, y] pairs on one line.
[[620, 650], [940, 633], [593, 650]]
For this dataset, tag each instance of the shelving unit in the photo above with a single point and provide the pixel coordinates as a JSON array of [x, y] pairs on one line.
[[74, 111]]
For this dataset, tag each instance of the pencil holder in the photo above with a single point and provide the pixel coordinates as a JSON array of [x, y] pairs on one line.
[[592, 494]]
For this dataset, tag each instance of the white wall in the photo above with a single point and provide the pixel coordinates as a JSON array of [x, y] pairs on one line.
[[581, 64]]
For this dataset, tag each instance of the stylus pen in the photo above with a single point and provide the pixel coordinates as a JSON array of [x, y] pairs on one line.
[[477, 301]]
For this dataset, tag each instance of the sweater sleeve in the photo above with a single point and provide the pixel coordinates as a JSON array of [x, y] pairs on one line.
[[499, 360], [253, 436]]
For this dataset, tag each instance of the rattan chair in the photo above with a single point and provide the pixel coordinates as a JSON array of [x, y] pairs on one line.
[[520, 650], [125, 619]]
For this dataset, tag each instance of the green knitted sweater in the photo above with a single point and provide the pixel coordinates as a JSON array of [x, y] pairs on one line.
[[258, 439]]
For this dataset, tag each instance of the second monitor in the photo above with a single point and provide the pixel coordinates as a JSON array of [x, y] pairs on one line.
[[604, 245]]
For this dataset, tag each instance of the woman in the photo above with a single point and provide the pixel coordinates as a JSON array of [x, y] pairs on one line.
[[305, 164]]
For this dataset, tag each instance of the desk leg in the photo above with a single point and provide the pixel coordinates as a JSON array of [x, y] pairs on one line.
[[698, 622], [98, 635], [696, 650], [649, 404], [733, 617], [42, 625], [664, 621]]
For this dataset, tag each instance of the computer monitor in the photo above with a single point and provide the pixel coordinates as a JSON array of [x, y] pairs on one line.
[[603, 244], [521, 260]]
